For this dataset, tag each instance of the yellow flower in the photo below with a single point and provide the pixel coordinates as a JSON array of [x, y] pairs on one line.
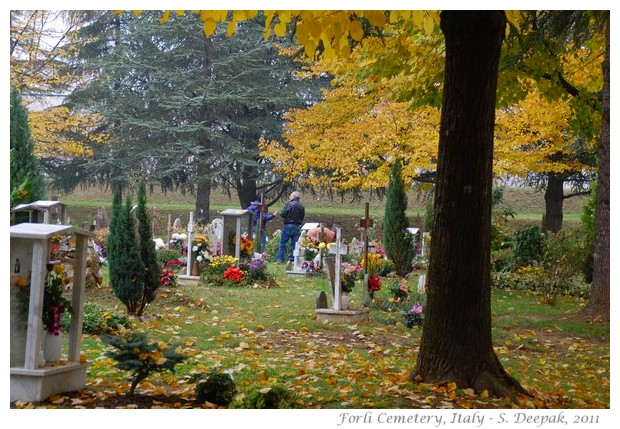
[[59, 268], [20, 281], [322, 246]]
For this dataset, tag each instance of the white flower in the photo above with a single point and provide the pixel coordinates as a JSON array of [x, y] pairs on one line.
[[159, 243], [199, 258], [183, 236], [175, 236], [195, 249]]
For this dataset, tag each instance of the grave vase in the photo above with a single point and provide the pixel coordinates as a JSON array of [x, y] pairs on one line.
[[345, 301], [52, 347]]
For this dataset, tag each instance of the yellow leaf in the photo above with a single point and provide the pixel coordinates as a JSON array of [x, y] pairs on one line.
[[144, 356], [164, 18], [418, 17], [225, 335], [280, 29], [356, 30], [514, 17], [232, 27], [309, 48], [209, 27], [429, 25]]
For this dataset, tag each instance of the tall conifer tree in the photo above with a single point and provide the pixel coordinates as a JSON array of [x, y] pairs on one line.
[[27, 183], [126, 267], [398, 241], [147, 252]]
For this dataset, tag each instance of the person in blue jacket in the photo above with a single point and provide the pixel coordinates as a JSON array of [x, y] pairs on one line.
[[257, 209]]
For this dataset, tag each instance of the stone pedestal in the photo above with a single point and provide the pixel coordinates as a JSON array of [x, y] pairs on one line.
[[36, 385], [342, 316]]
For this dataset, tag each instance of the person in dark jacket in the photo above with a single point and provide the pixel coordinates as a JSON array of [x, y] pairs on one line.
[[257, 210], [293, 214]]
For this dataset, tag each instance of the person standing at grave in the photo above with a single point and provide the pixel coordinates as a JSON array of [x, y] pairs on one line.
[[256, 207], [293, 215]]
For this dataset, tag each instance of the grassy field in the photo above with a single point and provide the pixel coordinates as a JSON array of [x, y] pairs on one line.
[[268, 337], [528, 204]]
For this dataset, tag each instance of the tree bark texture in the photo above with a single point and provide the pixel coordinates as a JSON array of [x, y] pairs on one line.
[[554, 200], [599, 305], [203, 197], [456, 344]]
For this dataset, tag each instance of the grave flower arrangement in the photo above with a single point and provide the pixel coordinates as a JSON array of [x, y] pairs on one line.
[[414, 316], [247, 246], [256, 269], [179, 242], [400, 290], [235, 274], [168, 277], [200, 248], [348, 275], [54, 303]]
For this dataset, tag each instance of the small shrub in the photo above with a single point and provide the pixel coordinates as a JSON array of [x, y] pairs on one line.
[[134, 353], [98, 321], [217, 388], [527, 246], [272, 247], [275, 397], [166, 255], [385, 267]]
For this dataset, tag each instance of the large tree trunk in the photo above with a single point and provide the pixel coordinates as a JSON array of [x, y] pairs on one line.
[[246, 188], [203, 198], [554, 199], [598, 306], [456, 344]]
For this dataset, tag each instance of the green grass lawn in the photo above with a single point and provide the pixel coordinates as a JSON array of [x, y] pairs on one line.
[[271, 336]]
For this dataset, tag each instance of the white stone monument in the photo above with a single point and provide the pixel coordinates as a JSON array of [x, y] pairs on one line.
[[299, 251], [32, 379], [336, 314], [235, 223]]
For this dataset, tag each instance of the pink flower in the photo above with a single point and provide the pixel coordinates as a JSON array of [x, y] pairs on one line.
[[416, 309]]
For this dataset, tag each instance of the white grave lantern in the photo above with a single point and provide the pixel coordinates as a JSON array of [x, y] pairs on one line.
[[235, 223], [44, 211], [32, 379]]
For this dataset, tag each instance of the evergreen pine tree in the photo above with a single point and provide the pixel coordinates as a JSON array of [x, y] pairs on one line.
[[27, 183], [398, 242], [126, 267], [113, 246], [148, 253]]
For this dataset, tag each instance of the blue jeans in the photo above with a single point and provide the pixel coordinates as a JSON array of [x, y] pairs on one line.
[[290, 232]]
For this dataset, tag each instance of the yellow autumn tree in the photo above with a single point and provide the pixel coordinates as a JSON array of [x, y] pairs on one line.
[[41, 44], [534, 136], [363, 118]]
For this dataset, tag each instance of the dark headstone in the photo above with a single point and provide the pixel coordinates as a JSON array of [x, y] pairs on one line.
[[321, 300]]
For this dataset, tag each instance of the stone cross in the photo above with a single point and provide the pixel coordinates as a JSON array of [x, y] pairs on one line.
[[190, 234], [366, 223], [338, 264]]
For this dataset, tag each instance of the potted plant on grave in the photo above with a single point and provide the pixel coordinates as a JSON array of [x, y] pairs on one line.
[[348, 276], [54, 305]]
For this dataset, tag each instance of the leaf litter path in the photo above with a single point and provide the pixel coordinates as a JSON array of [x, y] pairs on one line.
[[346, 368]]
